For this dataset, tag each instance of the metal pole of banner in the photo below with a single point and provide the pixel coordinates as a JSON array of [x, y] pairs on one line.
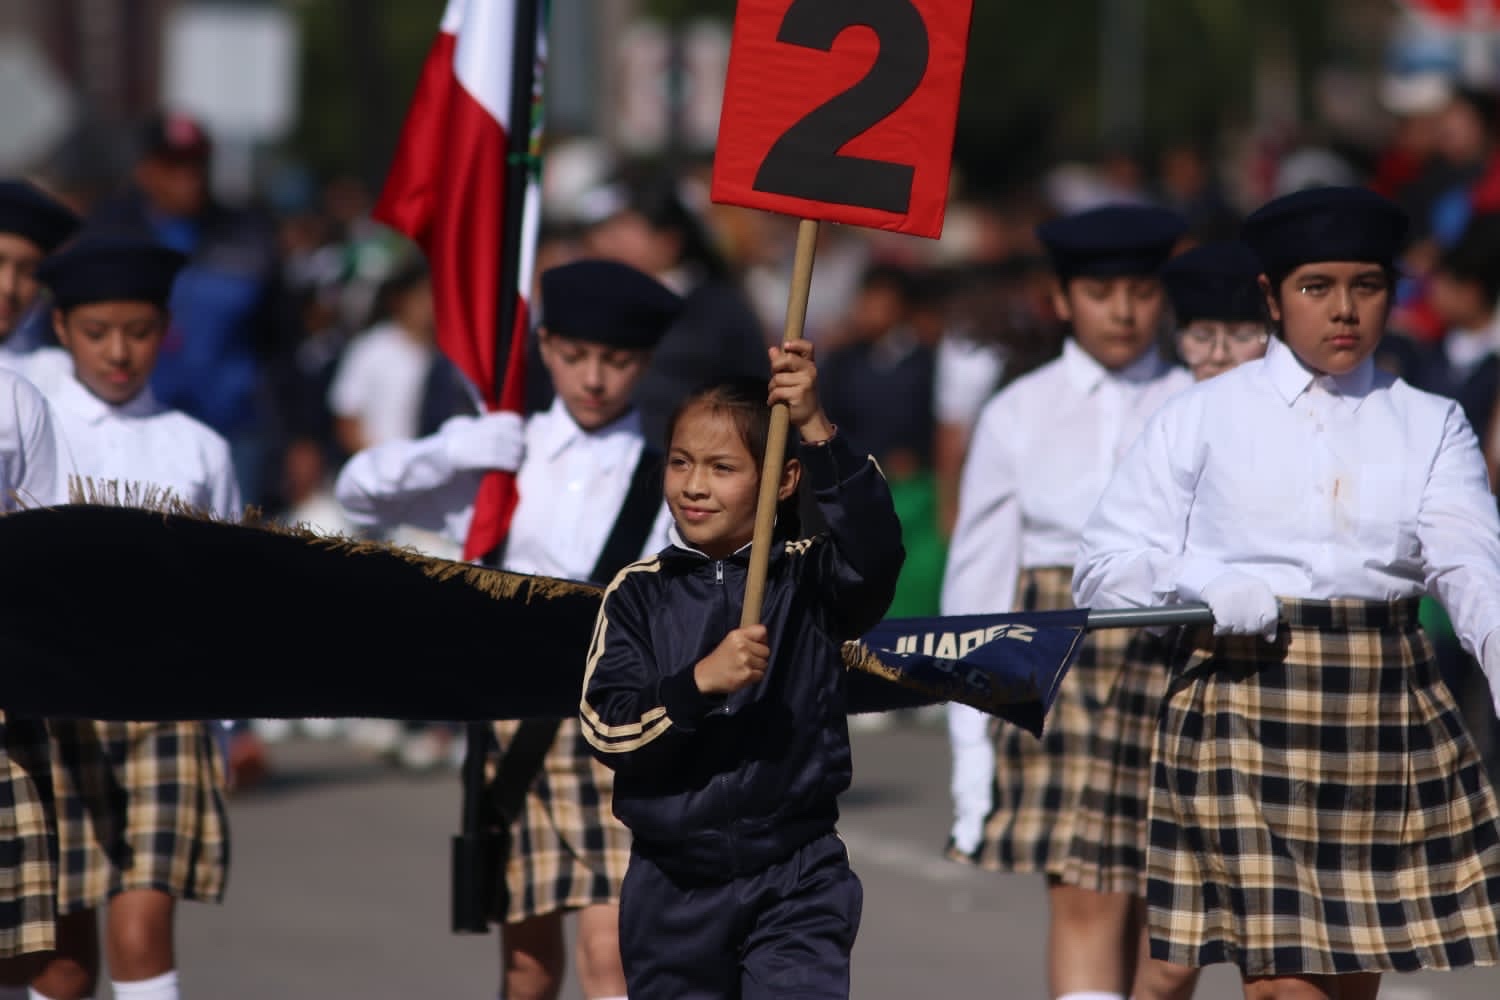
[[473, 855], [1174, 614]]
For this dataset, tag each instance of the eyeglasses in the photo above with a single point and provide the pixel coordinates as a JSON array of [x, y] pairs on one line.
[[1236, 339]]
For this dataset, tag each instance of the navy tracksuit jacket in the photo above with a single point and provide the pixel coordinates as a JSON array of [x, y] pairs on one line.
[[738, 884]]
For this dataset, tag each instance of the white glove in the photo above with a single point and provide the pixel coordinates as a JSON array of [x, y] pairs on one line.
[[1242, 605], [973, 774], [495, 441]]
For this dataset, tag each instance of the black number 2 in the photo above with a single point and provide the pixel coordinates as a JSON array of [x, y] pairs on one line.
[[805, 162]]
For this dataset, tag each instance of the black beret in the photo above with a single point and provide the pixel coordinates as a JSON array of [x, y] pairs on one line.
[[605, 302], [26, 212], [1112, 241], [111, 269], [1217, 281], [1325, 224]]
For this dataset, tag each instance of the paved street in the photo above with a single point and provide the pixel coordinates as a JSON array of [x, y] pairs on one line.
[[340, 889]]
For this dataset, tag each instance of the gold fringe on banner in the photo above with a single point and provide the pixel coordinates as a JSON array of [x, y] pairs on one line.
[[493, 583]]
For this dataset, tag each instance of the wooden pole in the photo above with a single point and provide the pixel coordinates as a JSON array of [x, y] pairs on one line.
[[770, 472]]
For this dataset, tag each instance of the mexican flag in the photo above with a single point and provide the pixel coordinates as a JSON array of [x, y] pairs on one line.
[[464, 187]]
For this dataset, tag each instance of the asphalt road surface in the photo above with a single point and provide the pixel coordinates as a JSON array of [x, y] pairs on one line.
[[339, 889]]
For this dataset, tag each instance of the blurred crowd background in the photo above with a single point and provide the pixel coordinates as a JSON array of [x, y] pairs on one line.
[[257, 134]]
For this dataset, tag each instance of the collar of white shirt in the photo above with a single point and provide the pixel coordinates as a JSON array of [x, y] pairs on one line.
[[609, 444], [1088, 375], [72, 395], [1292, 378]]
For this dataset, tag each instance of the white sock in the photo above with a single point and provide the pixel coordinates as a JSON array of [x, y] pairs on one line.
[[1091, 995], [26, 993], [162, 987]]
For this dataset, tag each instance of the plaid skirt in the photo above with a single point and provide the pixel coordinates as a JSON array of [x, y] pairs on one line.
[[1317, 807], [28, 841], [1039, 782], [567, 849], [1108, 849], [139, 806]]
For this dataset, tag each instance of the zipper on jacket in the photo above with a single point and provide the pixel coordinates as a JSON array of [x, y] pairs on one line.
[[719, 571], [731, 848]]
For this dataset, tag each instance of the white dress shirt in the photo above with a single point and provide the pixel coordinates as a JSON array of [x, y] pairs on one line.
[[965, 378], [1042, 452], [13, 354], [1357, 486], [379, 382], [46, 367], [572, 484], [34, 461], [143, 444]]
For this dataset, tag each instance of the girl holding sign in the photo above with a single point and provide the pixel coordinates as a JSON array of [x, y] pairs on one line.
[[1318, 814], [1042, 452], [730, 744]]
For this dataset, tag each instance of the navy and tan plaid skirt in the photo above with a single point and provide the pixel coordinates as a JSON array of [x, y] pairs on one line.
[[567, 849], [1039, 782], [1317, 807], [140, 805], [28, 840], [1108, 850]]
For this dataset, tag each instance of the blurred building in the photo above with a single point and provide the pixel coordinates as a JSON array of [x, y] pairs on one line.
[[109, 51], [72, 74]]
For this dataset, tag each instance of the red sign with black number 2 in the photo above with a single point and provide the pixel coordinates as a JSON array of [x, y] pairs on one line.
[[843, 110]]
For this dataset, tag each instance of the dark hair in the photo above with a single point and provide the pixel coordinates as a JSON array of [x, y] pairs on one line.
[[408, 275], [933, 288], [743, 400], [1484, 104], [659, 200], [888, 276], [1475, 258]]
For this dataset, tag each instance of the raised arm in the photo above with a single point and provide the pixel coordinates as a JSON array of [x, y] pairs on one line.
[[859, 563], [856, 567], [421, 482]]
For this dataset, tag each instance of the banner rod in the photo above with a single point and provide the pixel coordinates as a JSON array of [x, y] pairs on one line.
[[1174, 614]]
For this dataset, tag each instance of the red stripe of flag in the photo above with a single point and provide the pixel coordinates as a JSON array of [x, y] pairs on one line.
[[446, 191]]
